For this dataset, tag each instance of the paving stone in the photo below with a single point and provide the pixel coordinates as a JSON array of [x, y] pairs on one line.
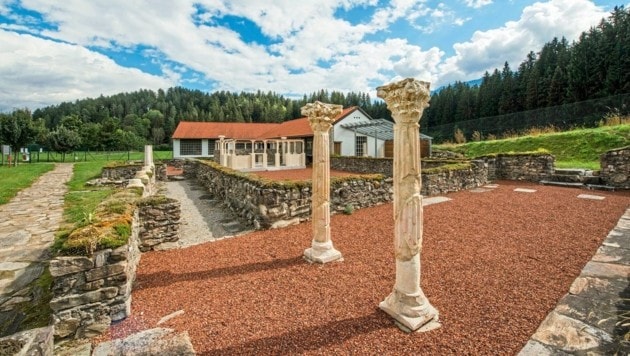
[[597, 288], [612, 254], [569, 335], [601, 314], [491, 186], [479, 190], [605, 270], [434, 200], [591, 197], [524, 190], [15, 238]]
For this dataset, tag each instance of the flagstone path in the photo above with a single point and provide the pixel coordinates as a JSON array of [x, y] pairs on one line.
[[27, 229]]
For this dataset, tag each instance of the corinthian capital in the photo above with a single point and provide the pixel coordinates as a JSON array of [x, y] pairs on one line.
[[321, 115], [406, 99]]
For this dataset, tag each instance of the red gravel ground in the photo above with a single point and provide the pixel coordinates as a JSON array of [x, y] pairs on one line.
[[493, 263], [298, 174]]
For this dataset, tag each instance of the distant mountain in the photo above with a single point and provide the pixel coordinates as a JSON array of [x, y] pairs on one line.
[[472, 83]]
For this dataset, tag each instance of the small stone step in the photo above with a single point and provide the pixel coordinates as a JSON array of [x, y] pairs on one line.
[[572, 171], [562, 184], [600, 187], [567, 178]]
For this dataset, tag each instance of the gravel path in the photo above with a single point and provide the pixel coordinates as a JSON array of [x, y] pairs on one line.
[[495, 262], [203, 218]]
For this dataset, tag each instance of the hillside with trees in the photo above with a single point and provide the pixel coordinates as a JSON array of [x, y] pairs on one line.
[[594, 68], [563, 85]]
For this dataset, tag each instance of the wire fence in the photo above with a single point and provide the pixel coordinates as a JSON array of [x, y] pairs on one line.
[[581, 114], [37, 156]]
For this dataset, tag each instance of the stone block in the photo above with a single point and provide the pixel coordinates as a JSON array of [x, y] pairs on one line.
[[66, 327], [569, 335], [61, 266], [73, 300], [105, 271]]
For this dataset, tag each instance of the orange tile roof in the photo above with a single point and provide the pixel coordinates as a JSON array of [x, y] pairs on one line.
[[244, 131]]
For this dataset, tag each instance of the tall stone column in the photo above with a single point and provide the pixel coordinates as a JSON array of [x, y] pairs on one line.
[[321, 116], [407, 304]]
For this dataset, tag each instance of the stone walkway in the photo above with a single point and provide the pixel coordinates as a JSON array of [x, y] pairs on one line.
[[27, 229], [203, 219], [588, 319]]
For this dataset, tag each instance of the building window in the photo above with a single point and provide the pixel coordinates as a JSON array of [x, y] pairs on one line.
[[190, 147], [211, 146], [360, 146]]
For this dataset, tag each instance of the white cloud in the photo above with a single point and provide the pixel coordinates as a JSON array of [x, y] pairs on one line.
[[312, 48], [538, 24], [41, 72], [477, 3]]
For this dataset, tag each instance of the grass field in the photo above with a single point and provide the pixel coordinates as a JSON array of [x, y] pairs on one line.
[[81, 200], [14, 179], [573, 149]]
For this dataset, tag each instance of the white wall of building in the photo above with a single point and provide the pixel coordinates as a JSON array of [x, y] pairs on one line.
[[347, 137]]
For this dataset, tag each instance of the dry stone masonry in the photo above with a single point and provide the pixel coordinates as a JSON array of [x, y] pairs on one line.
[[615, 168], [267, 205], [159, 222], [89, 292]]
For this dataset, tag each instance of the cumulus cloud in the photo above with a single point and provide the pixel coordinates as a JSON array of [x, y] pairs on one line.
[[311, 46], [41, 72], [538, 24], [477, 3]]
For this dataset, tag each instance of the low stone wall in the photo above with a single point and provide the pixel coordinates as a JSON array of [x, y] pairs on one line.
[[159, 222], [615, 168], [91, 292], [121, 172], [531, 167], [367, 165], [268, 204], [454, 177]]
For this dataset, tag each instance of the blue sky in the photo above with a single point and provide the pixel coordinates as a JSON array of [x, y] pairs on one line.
[[54, 51]]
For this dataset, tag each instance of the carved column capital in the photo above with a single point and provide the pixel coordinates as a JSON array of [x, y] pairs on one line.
[[321, 115], [406, 99]]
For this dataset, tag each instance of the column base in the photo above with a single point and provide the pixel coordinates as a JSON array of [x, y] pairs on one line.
[[322, 252], [412, 312]]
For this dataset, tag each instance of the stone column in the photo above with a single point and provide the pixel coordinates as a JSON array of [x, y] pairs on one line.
[[321, 116], [407, 303], [148, 156]]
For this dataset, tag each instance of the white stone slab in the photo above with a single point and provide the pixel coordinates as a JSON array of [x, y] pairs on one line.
[[479, 190], [591, 196], [524, 190], [491, 186], [434, 200]]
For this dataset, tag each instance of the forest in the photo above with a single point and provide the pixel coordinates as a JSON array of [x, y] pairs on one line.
[[561, 76]]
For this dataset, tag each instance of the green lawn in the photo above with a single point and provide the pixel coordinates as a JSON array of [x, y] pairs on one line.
[[573, 149], [98, 156], [14, 179], [81, 200]]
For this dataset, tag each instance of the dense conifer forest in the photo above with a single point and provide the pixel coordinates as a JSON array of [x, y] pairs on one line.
[[595, 66]]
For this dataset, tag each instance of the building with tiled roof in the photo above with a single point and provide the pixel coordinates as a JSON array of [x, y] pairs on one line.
[[286, 145]]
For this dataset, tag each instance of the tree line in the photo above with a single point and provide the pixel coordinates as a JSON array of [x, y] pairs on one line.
[[594, 66], [597, 65]]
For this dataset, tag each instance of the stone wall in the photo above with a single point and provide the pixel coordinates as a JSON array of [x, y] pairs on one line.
[[532, 167], [121, 172], [367, 165], [91, 292], [615, 168], [454, 177], [159, 222], [268, 204]]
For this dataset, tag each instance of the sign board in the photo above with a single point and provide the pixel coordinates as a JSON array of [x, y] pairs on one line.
[[6, 150]]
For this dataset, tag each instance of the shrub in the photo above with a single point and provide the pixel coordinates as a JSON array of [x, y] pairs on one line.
[[477, 136], [459, 136]]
